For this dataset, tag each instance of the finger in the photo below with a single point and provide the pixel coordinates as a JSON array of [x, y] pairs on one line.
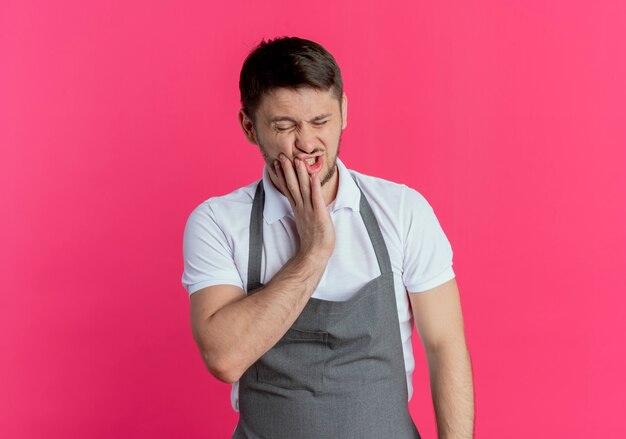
[[317, 199], [282, 184], [291, 179], [305, 182]]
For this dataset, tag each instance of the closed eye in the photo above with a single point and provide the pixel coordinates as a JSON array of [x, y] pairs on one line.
[[283, 128]]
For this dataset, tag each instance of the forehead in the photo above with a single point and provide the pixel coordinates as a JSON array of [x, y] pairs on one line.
[[301, 103]]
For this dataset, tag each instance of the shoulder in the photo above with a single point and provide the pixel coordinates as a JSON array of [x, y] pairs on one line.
[[223, 205], [224, 209], [390, 195], [376, 187]]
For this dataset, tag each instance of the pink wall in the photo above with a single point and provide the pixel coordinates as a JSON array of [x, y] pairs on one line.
[[116, 120]]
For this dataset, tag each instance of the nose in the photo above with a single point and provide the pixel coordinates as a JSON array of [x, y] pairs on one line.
[[305, 140]]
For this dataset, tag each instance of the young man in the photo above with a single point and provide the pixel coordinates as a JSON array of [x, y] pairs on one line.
[[305, 285]]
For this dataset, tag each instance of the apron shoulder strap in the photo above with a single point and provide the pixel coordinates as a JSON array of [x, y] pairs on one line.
[[256, 239], [376, 236]]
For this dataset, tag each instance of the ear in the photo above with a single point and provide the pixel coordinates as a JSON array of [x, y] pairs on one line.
[[247, 126], [344, 111]]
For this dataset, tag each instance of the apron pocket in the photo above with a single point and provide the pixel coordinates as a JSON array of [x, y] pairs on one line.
[[296, 362]]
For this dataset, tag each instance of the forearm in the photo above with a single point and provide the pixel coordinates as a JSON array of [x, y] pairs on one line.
[[452, 391], [242, 331]]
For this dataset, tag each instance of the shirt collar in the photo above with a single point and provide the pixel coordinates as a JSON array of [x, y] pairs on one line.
[[277, 206]]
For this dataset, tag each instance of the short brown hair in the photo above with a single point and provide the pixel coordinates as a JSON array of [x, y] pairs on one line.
[[288, 62]]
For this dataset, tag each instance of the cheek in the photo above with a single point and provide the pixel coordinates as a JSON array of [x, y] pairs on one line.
[[275, 146], [284, 143], [273, 143], [331, 135]]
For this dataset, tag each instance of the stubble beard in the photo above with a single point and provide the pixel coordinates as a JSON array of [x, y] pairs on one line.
[[333, 168]]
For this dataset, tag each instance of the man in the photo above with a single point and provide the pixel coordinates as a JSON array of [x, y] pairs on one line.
[[301, 282]]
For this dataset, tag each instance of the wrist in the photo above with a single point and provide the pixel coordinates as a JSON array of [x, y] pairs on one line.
[[313, 259]]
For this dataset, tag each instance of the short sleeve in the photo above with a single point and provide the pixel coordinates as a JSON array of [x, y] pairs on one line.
[[208, 259], [427, 261]]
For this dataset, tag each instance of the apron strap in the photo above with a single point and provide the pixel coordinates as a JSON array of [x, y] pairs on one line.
[[376, 236], [256, 239]]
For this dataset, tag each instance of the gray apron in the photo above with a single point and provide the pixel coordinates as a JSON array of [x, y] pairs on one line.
[[339, 371]]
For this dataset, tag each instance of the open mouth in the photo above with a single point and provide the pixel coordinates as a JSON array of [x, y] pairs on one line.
[[314, 164]]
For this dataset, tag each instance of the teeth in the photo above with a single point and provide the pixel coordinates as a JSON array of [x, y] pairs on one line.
[[311, 161]]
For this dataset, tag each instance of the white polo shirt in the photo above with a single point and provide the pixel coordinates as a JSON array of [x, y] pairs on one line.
[[216, 240]]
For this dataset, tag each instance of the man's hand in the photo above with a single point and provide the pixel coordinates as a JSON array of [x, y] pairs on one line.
[[314, 224]]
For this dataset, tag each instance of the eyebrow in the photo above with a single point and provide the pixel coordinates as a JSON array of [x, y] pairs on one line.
[[289, 119]]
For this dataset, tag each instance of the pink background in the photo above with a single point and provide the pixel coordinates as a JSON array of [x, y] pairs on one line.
[[118, 118]]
